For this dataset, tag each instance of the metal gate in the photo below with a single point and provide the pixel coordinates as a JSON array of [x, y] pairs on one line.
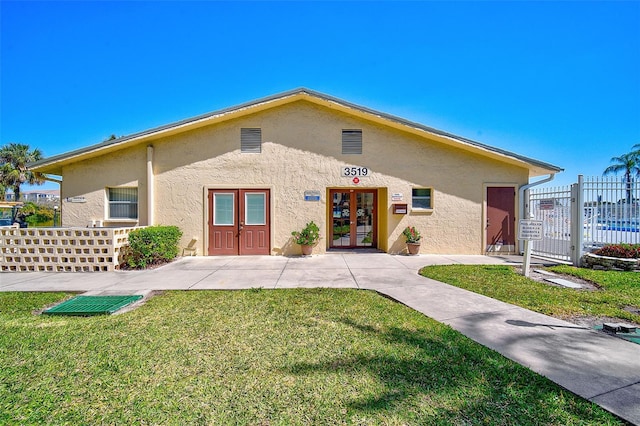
[[553, 207], [586, 215]]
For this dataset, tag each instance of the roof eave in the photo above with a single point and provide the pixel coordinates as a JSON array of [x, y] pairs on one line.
[[55, 164]]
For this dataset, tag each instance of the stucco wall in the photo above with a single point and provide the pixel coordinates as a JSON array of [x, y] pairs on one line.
[[301, 151], [86, 183]]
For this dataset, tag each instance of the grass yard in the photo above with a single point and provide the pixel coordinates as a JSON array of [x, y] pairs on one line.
[[618, 297], [264, 357]]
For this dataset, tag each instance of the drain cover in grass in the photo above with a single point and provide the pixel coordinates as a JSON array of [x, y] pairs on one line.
[[633, 336], [92, 305]]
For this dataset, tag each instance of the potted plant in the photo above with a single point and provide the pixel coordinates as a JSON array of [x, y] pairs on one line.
[[307, 238], [412, 237]]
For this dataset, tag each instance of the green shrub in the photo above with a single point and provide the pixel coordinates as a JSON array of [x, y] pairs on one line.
[[625, 251], [152, 246], [36, 214]]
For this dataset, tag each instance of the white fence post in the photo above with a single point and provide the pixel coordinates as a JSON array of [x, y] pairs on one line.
[[577, 221]]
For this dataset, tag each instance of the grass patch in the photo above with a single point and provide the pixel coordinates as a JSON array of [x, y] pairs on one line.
[[619, 290], [263, 357]]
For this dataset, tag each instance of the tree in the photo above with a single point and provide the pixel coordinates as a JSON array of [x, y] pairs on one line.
[[629, 164], [14, 158]]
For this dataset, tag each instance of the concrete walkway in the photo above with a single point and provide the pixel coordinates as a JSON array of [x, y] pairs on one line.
[[596, 366]]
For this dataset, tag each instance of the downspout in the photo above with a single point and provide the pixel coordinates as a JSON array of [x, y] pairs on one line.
[[150, 186], [524, 209]]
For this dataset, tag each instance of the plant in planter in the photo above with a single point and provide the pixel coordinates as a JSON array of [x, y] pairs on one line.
[[412, 238], [307, 238]]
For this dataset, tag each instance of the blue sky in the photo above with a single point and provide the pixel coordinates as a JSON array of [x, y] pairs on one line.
[[556, 81]]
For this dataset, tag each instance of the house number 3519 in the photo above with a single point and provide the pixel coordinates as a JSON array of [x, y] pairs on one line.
[[354, 172]]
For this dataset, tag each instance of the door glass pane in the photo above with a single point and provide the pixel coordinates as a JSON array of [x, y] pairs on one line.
[[341, 220], [364, 219], [254, 208], [223, 207]]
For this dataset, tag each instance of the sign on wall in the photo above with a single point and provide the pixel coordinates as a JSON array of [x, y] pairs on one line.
[[312, 195], [359, 172], [76, 200]]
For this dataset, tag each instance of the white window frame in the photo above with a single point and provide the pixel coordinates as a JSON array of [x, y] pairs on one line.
[[216, 219], [246, 211], [129, 202]]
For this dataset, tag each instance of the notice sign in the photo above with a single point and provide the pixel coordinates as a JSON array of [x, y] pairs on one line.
[[76, 200], [312, 195], [530, 230], [547, 204]]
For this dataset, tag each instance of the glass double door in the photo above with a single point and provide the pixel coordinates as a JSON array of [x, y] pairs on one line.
[[353, 218]]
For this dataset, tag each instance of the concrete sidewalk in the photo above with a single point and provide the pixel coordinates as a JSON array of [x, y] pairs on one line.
[[596, 366]]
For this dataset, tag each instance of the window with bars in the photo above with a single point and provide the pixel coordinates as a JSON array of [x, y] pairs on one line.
[[352, 141], [251, 140], [123, 203]]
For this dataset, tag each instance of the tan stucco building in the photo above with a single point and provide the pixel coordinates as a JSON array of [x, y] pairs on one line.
[[240, 180]]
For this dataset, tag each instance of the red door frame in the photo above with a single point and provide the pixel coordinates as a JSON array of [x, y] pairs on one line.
[[239, 238]]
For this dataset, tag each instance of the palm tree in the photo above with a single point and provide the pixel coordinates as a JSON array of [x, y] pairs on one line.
[[14, 158], [629, 164]]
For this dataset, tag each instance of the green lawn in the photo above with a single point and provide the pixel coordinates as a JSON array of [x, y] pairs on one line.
[[619, 290], [263, 357]]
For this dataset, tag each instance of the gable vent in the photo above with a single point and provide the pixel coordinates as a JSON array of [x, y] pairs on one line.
[[352, 141], [251, 140]]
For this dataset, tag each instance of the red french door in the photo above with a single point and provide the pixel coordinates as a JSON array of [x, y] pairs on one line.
[[239, 222], [354, 220]]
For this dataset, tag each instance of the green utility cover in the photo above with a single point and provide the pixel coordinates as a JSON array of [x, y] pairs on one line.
[[632, 337], [92, 305]]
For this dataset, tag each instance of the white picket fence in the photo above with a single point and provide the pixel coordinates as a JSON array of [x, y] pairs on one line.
[[586, 215]]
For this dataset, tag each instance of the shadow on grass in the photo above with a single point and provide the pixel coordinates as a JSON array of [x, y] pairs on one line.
[[439, 375]]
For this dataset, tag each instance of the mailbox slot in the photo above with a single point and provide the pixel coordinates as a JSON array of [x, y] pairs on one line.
[[400, 209]]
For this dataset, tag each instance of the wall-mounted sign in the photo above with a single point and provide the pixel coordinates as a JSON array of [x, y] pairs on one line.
[[547, 204], [398, 196], [312, 195], [354, 172], [530, 230], [400, 209], [76, 200]]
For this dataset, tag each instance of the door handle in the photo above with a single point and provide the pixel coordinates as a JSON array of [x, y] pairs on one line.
[[240, 227]]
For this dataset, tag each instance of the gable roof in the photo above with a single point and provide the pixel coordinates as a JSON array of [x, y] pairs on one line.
[[54, 164]]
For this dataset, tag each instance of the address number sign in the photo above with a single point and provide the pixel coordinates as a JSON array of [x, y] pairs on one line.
[[354, 172]]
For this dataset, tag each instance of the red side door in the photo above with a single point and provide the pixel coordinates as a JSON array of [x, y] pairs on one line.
[[501, 219], [254, 221], [239, 221]]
